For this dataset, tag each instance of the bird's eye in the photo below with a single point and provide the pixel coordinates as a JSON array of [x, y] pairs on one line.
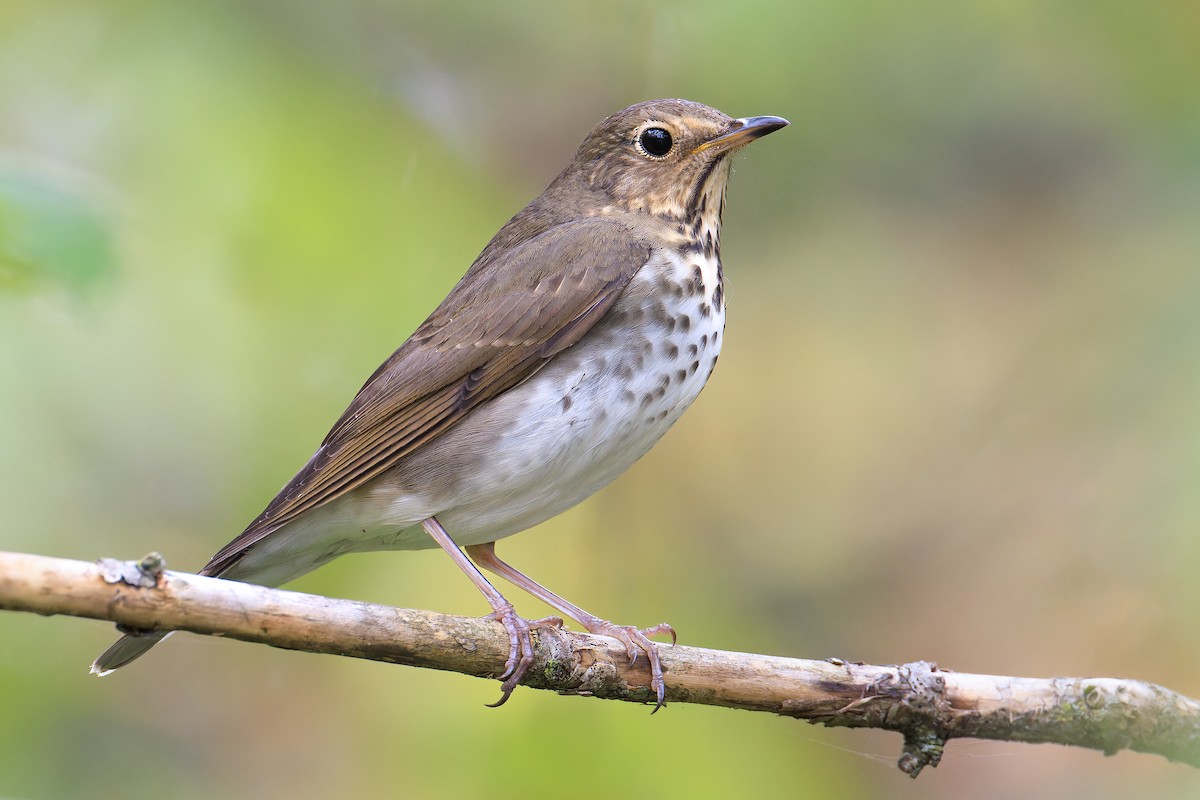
[[655, 142]]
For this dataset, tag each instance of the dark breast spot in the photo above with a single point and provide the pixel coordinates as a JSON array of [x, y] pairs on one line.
[[566, 402], [661, 316], [670, 288], [670, 350]]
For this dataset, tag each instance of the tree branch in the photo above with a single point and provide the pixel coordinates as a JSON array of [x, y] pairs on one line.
[[927, 705]]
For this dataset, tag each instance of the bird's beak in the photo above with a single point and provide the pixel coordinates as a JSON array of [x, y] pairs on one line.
[[743, 131]]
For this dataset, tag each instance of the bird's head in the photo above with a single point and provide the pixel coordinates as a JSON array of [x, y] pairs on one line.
[[666, 157]]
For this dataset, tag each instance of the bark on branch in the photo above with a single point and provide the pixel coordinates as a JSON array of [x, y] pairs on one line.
[[924, 703]]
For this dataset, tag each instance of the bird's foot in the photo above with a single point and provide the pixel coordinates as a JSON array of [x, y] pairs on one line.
[[520, 646], [636, 639]]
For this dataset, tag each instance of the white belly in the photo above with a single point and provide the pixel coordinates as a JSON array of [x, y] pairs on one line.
[[595, 409]]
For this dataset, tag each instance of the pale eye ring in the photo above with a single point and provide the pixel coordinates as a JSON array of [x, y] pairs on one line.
[[655, 142]]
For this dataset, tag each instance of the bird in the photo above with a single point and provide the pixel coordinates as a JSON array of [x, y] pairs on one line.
[[579, 335]]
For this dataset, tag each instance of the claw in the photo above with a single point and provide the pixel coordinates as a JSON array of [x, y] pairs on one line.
[[638, 640], [634, 640], [506, 692], [520, 647], [660, 629]]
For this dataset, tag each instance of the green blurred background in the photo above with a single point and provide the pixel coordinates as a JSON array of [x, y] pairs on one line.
[[957, 417]]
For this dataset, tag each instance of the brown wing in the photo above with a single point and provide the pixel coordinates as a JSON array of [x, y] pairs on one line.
[[513, 311]]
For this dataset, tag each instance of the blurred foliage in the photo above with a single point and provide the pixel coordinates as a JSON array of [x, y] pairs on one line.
[[49, 234], [957, 417]]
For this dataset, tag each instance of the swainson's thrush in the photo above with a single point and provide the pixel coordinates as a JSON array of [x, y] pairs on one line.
[[583, 330]]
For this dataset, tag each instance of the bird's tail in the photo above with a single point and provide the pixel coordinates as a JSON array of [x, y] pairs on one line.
[[126, 649]]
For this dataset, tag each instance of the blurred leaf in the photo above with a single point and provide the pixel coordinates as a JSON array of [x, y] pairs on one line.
[[50, 234]]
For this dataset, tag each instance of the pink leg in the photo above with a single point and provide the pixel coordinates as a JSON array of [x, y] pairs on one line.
[[634, 639], [520, 652]]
